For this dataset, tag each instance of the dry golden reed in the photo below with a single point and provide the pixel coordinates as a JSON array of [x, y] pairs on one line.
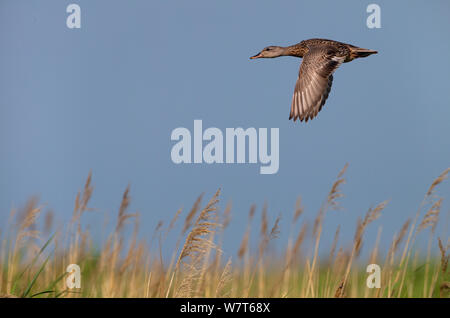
[[127, 266]]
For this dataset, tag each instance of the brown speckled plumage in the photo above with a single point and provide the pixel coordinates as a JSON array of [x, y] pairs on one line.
[[321, 58]]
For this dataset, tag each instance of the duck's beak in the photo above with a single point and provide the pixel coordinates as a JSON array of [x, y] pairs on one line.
[[256, 56]]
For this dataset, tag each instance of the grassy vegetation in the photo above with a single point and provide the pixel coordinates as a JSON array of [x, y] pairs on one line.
[[33, 267]]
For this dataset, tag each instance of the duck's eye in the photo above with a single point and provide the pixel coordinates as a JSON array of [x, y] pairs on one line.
[[267, 48]]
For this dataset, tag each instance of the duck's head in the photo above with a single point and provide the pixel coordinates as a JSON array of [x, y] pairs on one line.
[[269, 52]]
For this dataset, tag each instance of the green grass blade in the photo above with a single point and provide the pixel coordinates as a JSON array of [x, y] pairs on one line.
[[19, 276], [42, 292], [61, 293], [66, 291], [56, 281], [33, 281]]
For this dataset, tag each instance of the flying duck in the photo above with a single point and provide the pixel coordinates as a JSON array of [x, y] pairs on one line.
[[321, 58]]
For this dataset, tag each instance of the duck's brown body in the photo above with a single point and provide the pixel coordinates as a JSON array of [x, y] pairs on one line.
[[348, 51], [321, 58]]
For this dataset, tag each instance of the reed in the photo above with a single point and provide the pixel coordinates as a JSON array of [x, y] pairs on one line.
[[33, 259]]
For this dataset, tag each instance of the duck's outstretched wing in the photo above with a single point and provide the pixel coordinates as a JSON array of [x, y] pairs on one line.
[[314, 81]]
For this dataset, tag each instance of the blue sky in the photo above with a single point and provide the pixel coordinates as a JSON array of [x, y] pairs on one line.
[[106, 98]]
